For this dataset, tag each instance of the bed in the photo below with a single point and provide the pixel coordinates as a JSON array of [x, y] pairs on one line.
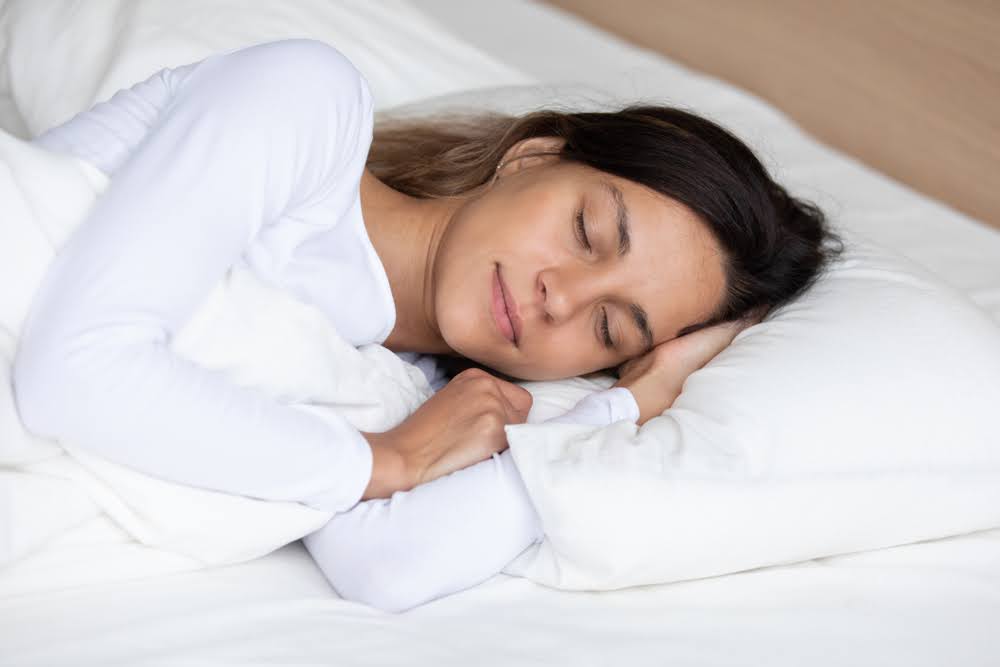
[[928, 603]]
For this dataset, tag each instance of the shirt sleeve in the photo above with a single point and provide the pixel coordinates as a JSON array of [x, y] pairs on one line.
[[448, 534], [250, 137], [108, 132]]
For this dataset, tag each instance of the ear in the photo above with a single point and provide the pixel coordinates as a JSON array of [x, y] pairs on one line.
[[530, 152]]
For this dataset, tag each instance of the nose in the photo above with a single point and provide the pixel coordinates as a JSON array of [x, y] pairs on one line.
[[565, 291]]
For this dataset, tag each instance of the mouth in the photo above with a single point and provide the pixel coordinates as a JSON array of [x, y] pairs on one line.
[[505, 309]]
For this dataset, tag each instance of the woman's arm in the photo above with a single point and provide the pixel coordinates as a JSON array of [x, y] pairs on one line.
[[250, 137], [446, 535]]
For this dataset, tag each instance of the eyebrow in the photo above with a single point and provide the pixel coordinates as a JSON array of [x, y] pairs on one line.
[[638, 313]]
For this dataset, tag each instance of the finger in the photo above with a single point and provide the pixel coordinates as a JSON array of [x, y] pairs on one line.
[[500, 404], [754, 316], [518, 397], [512, 413], [760, 314], [727, 330]]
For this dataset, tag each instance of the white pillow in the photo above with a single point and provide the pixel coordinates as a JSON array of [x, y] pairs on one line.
[[59, 62], [859, 416]]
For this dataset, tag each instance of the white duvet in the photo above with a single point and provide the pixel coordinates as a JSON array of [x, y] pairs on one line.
[[73, 518]]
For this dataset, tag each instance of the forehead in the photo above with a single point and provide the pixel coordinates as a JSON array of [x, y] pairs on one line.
[[674, 260]]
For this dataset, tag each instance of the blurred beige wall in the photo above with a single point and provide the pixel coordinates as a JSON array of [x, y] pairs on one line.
[[911, 87]]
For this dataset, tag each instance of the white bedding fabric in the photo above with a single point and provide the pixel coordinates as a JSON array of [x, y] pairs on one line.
[[930, 603], [132, 524], [111, 45]]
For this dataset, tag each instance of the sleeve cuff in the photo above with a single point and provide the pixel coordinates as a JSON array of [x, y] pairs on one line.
[[346, 482], [623, 404]]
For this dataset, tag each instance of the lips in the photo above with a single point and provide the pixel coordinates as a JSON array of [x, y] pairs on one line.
[[505, 309]]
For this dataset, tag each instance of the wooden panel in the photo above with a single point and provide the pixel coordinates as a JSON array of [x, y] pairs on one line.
[[911, 87]]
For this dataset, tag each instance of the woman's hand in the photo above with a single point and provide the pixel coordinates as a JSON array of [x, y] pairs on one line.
[[655, 378], [462, 424]]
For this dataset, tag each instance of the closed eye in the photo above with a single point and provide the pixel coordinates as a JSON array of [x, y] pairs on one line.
[[582, 231], [581, 228], [608, 343]]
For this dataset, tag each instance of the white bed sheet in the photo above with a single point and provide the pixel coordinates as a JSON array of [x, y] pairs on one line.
[[932, 603]]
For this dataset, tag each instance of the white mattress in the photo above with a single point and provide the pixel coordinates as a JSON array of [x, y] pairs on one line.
[[931, 603]]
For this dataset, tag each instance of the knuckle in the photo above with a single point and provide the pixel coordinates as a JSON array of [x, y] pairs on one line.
[[490, 421], [468, 373], [495, 404], [477, 377]]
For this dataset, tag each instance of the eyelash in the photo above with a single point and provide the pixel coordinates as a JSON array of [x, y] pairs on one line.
[[582, 229], [608, 343]]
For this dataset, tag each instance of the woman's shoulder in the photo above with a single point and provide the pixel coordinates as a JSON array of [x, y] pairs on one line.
[[301, 98], [286, 72]]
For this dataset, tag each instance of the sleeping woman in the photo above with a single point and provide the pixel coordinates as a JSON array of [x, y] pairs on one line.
[[537, 247]]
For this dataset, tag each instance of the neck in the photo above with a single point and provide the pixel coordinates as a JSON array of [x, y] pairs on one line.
[[406, 232]]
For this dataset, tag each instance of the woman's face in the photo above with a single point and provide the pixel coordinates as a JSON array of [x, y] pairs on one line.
[[524, 229]]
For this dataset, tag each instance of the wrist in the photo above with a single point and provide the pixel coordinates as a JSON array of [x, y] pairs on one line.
[[653, 393], [389, 469]]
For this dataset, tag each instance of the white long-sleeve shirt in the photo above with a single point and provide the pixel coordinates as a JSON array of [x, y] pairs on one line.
[[251, 156]]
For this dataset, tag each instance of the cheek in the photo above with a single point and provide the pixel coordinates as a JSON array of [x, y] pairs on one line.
[[458, 311]]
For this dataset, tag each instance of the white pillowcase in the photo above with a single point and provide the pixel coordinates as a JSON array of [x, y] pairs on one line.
[[59, 62], [859, 416]]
